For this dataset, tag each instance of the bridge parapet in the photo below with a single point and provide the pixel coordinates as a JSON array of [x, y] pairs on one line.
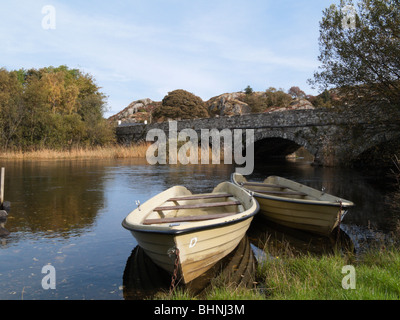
[[335, 136]]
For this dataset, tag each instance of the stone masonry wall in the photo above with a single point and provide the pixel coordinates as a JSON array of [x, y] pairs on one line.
[[335, 136]]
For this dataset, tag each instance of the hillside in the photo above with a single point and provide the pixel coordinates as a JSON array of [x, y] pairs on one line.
[[227, 104]]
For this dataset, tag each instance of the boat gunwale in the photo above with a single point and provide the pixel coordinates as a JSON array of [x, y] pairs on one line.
[[190, 227], [171, 231], [344, 204]]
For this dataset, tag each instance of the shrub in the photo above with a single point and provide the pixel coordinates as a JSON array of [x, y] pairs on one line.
[[180, 104]]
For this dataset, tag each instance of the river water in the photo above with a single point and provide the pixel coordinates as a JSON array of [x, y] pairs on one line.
[[68, 214]]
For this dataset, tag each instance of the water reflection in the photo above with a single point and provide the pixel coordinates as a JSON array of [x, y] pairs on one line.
[[69, 213], [142, 279], [266, 234], [53, 198], [3, 231], [373, 217]]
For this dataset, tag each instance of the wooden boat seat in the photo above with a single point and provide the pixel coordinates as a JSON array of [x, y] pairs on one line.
[[288, 193], [260, 184], [188, 218], [199, 205], [202, 196]]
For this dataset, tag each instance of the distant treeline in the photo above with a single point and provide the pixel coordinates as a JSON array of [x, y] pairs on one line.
[[54, 107]]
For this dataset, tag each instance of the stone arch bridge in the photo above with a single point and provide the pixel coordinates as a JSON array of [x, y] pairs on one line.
[[335, 136]]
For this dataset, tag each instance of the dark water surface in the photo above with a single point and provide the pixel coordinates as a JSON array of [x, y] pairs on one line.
[[68, 214]]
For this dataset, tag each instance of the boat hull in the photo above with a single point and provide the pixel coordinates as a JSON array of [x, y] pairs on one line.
[[295, 205], [313, 218], [205, 229], [198, 251]]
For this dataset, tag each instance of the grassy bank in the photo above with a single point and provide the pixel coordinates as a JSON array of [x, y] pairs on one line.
[[377, 276], [308, 277], [108, 152]]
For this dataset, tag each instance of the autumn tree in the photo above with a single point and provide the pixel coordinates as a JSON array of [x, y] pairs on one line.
[[181, 104], [53, 108], [296, 92], [277, 98], [360, 50], [11, 107], [262, 101]]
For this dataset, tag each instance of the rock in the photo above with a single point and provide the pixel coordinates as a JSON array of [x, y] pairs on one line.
[[228, 104], [301, 104], [296, 104], [4, 232], [133, 113]]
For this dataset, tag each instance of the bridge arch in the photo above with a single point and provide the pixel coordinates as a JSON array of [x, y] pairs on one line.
[[377, 150], [278, 144], [334, 136]]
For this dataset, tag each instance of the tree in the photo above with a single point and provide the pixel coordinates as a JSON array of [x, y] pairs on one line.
[[181, 104], [257, 103], [11, 107], [360, 50], [53, 108], [277, 98], [261, 102], [296, 92], [248, 90]]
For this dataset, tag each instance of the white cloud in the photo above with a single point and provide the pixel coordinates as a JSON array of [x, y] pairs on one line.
[[207, 48]]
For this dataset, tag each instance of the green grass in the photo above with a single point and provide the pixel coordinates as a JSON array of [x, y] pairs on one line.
[[312, 277], [215, 293], [377, 277]]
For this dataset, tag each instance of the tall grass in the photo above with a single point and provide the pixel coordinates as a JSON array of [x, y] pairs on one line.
[[105, 152], [108, 152]]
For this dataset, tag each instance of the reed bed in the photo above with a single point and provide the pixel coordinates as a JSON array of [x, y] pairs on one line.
[[107, 152], [104, 152]]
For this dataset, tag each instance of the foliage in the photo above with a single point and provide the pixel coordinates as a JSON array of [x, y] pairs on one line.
[[270, 98], [51, 108], [326, 99], [257, 103], [277, 98], [361, 59], [296, 92], [181, 104], [248, 90], [11, 106]]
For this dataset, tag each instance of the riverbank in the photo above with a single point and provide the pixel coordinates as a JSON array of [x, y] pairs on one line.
[[374, 276], [107, 152]]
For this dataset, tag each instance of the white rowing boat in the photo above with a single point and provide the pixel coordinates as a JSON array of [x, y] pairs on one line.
[[295, 205], [180, 230]]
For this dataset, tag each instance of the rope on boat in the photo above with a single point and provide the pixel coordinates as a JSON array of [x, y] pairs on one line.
[[171, 252], [340, 219]]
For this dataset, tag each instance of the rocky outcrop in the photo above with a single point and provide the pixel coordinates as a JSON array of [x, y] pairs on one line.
[[228, 104], [296, 104], [138, 111]]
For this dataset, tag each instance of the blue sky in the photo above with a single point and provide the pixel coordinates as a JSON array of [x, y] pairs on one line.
[[144, 49]]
